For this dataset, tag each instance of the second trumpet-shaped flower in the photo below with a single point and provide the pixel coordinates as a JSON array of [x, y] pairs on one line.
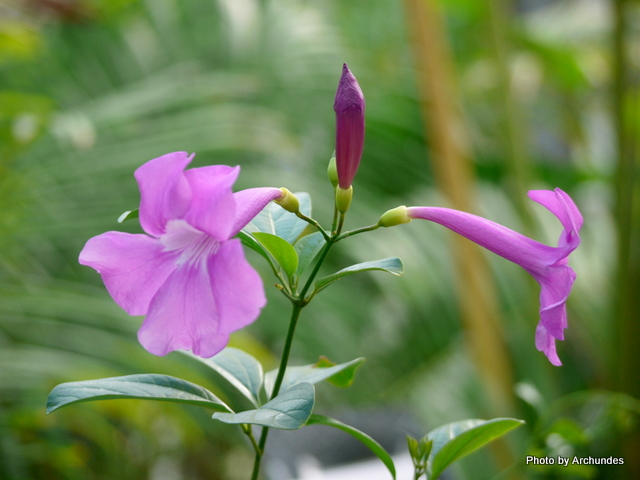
[[547, 265], [187, 275]]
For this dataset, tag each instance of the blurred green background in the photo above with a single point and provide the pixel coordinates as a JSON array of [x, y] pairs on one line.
[[469, 104]]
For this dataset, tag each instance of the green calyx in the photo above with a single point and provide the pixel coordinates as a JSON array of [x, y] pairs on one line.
[[343, 198], [395, 216], [288, 201]]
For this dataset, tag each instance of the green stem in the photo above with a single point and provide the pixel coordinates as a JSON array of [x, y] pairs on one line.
[[256, 463], [311, 221], [295, 314], [340, 224], [351, 233], [299, 302], [246, 428], [417, 469], [334, 223], [316, 268]]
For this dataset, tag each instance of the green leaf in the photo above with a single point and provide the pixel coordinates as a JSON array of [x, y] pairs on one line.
[[144, 386], [374, 446], [288, 411], [128, 215], [307, 248], [281, 250], [391, 265], [239, 368], [313, 374], [456, 440], [275, 220], [250, 242], [345, 377]]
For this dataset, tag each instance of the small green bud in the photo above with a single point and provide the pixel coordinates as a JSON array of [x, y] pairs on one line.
[[393, 217], [425, 447], [288, 201], [343, 198], [332, 171], [413, 445]]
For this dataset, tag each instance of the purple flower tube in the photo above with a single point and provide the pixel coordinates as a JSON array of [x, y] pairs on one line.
[[548, 265]]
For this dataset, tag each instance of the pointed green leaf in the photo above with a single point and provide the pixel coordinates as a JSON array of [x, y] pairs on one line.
[[307, 248], [239, 368], [275, 220], [128, 215], [391, 265], [281, 250], [144, 386], [288, 411], [369, 442], [345, 377], [456, 440], [312, 374]]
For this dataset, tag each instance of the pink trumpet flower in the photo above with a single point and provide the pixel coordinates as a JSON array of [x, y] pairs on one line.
[[548, 265], [187, 274], [349, 107]]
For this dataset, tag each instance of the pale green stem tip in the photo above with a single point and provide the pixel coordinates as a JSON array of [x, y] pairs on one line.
[[288, 201]]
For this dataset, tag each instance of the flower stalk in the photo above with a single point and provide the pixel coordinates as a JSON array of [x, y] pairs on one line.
[[284, 360], [298, 302]]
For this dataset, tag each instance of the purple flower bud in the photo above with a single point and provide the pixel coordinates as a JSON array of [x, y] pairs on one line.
[[349, 108]]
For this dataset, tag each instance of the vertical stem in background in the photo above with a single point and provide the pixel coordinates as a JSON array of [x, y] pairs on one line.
[[454, 174], [516, 159], [627, 216]]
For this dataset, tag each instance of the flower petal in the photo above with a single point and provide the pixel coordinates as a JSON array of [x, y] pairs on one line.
[[133, 267], [164, 191], [212, 208], [250, 202], [183, 315], [547, 344], [200, 304], [500, 240], [563, 207], [555, 286], [237, 287]]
